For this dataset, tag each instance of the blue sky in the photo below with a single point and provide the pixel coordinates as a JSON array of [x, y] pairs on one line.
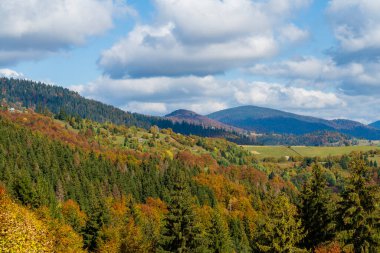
[[319, 58]]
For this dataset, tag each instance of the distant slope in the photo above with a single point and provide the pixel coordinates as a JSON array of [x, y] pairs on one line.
[[57, 100], [265, 120], [375, 124], [191, 117], [60, 101]]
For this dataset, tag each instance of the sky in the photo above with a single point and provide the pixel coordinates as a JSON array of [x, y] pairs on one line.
[[313, 57]]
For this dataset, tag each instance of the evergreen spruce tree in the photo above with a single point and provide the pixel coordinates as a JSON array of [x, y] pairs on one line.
[[358, 217], [91, 232], [281, 231], [180, 234], [238, 236], [314, 210], [219, 234]]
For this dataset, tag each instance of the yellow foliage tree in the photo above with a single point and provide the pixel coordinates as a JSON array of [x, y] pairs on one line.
[[65, 239], [20, 229]]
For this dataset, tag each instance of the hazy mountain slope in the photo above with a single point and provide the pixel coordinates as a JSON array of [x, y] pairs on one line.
[[375, 124], [191, 117], [265, 120]]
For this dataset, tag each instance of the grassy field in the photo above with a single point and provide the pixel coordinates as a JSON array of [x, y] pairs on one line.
[[281, 151]]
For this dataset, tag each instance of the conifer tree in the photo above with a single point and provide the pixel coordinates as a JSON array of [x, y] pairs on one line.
[[314, 210], [281, 231], [238, 236], [179, 233], [219, 234], [358, 212]]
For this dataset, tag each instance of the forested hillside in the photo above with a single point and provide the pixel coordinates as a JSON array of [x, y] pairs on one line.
[[74, 185]]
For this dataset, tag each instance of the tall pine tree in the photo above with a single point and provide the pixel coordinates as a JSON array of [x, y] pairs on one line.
[[219, 233], [180, 233], [358, 217], [281, 231], [315, 213]]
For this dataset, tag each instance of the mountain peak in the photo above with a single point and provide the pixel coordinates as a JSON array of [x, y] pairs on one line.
[[182, 113]]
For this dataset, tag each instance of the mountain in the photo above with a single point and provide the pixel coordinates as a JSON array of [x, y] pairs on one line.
[[375, 124], [266, 120], [64, 103], [231, 124], [191, 117]]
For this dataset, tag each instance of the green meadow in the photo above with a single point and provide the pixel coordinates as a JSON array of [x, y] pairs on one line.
[[305, 151]]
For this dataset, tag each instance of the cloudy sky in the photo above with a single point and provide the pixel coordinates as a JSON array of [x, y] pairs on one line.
[[315, 57]]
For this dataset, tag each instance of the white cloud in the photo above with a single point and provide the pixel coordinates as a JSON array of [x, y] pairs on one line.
[[161, 95], [154, 90], [32, 29], [146, 107], [211, 20], [353, 77], [260, 93], [10, 73], [306, 68], [203, 37], [356, 25], [214, 20], [293, 34], [149, 51]]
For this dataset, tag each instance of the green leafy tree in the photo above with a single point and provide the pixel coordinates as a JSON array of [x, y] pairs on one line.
[[358, 217], [315, 213]]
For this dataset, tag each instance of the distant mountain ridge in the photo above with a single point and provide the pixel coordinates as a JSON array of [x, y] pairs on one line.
[[191, 117], [375, 124], [232, 124], [265, 120], [46, 98]]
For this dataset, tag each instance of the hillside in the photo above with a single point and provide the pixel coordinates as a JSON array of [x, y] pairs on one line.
[[375, 124], [190, 117], [76, 185], [63, 102], [265, 120]]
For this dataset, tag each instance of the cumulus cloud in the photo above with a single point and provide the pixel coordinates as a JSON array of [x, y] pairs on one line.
[[10, 73], [189, 90], [203, 37], [310, 68], [293, 34], [33, 29], [161, 95], [280, 96], [355, 78], [356, 25], [151, 51], [146, 107]]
